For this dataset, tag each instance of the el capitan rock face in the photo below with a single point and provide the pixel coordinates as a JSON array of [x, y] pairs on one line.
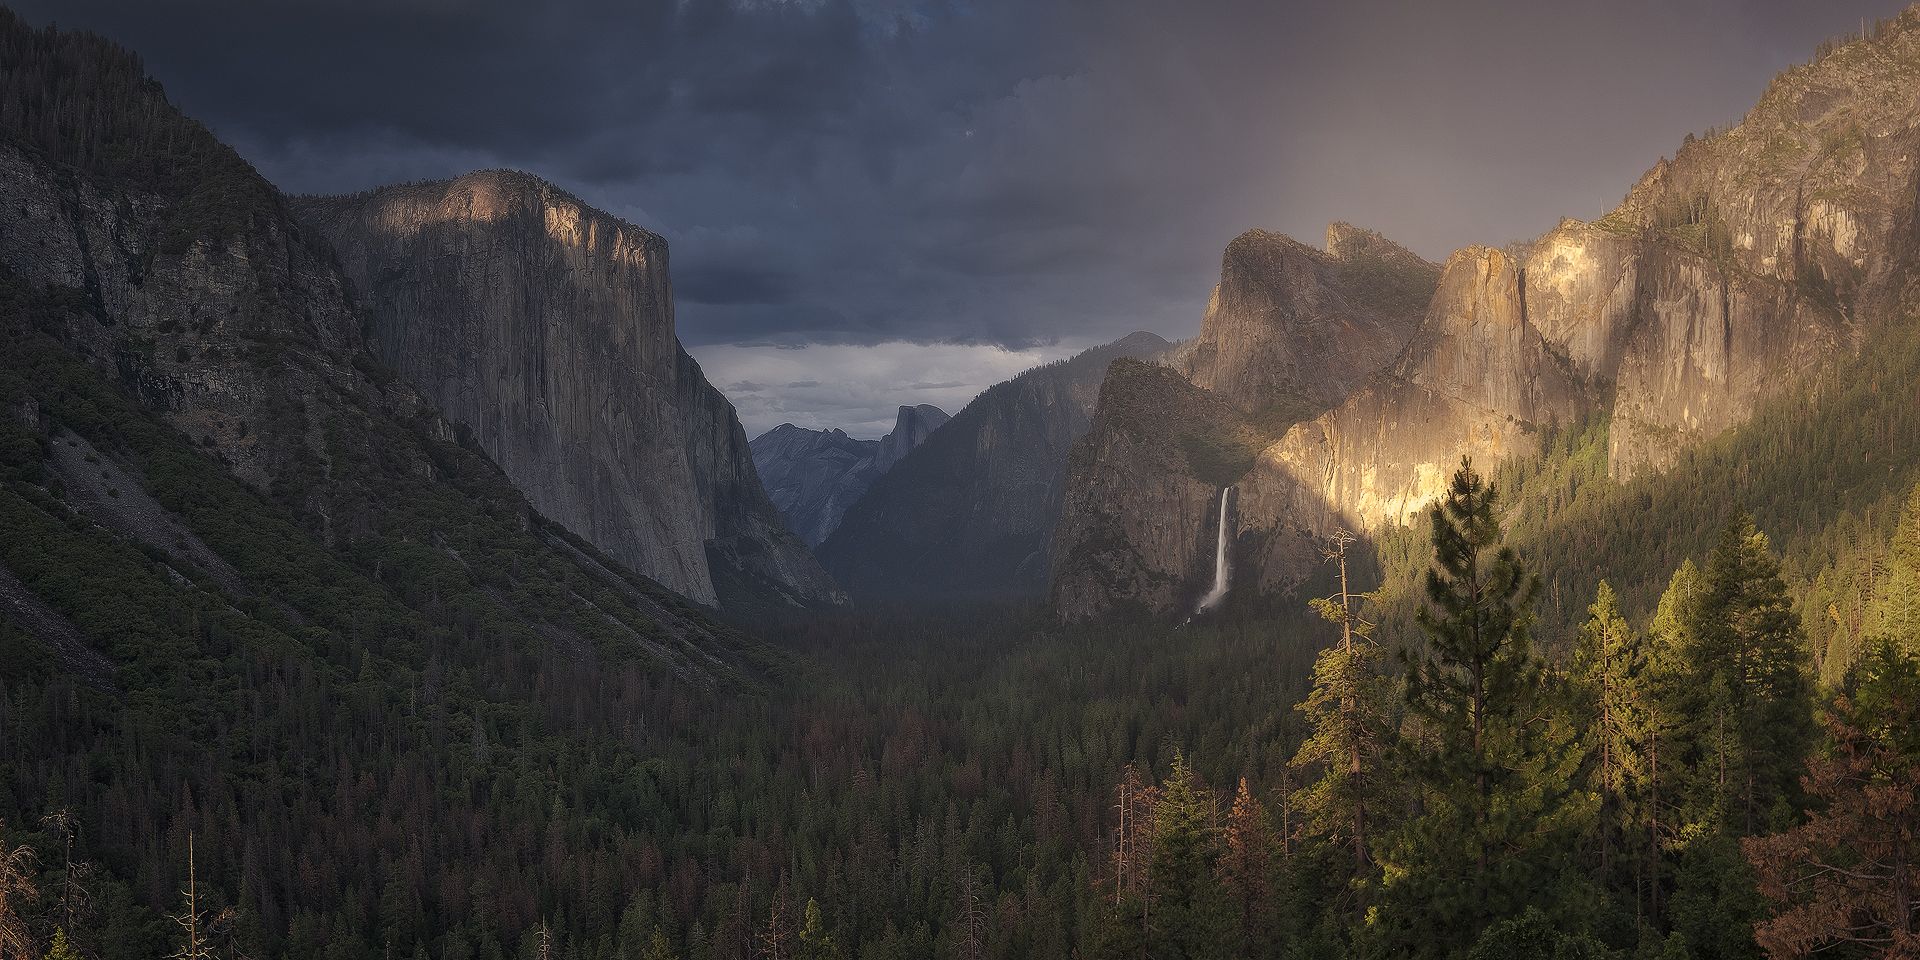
[[970, 513], [813, 476], [1729, 272], [546, 328]]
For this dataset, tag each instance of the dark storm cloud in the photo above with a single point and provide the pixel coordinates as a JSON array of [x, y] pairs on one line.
[[729, 283], [1008, 172]]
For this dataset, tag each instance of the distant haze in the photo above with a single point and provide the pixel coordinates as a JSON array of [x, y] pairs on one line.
[[994, 175]]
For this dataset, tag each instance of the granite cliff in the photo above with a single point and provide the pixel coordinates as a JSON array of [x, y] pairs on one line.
[[1290, 330], [970, 513], [188, 377], [911, 428], [1730, 272], [545, 328], [813, 476]]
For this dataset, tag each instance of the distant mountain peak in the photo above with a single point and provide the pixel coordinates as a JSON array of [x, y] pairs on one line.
[[813, 476]]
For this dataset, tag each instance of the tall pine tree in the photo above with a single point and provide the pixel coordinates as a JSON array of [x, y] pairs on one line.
[[1753, 691], [1489, 757], [1350, 721]]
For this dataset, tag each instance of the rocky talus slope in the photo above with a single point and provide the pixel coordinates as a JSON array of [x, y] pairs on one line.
[[813, 476], [1730, 272], [545, 327]]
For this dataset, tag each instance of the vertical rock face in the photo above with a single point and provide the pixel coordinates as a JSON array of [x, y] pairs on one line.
[[1729, 272], [1477, 380], [546, 328], [911, 427], [1140, 539], [238, 339], [1686, 342], [1291, 331], [813, 476], [970, 513]]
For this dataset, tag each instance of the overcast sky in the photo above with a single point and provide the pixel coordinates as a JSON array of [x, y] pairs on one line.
[[944, 190]]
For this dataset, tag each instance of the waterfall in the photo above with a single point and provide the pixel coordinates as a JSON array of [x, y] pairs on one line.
[[1219, 590]]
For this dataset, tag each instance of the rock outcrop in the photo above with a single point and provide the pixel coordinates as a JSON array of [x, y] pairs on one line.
[[911, 428], [545, 327], [813, 476], [1290, 330], [1477, 380], [970, 513], [1142, 539], [1732, 270]]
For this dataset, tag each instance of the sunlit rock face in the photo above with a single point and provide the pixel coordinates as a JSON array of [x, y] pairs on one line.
[[1290, 330], [545, 327], [813, 476], [1477, 380], [1729, 272], [1685, 344]]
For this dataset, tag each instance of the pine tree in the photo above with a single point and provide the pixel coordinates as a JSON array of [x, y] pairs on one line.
[[1489, 758], [1247, 869], [1189, 916], [16, 891], [1750, 663], [60, 949], [1850, 875], [1896, 598], [814, 941], [659, 947], [1663, 728], [1350, 728], [1610, 677], [192, 922], [972, 935]]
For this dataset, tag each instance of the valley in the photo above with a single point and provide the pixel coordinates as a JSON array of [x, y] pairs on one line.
[[380, 572]]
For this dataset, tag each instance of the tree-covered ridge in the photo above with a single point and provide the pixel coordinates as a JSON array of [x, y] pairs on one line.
[[81, 100]]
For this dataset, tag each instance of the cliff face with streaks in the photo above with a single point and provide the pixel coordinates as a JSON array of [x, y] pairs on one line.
[[1730, 272], [545, 328]]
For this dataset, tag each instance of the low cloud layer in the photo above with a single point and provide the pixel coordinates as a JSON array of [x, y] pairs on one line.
[[1016, 173], [858, 387]]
